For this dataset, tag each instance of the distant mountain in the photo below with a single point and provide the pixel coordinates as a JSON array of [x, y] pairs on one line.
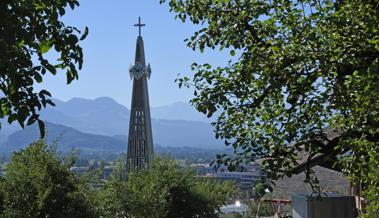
[[104, 116], [7, 129], [178, 111], [67, 139], [82, 108], [179, 133], [3, 141]]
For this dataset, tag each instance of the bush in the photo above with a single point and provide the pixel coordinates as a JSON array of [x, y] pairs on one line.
[[38, 184], [162, 191]]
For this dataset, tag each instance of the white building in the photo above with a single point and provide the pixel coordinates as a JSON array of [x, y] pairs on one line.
[[244, 180]]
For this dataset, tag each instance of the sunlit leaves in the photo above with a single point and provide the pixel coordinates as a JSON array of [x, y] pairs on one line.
[[301, 66], [44, 47], [163, 191], [29, 31]]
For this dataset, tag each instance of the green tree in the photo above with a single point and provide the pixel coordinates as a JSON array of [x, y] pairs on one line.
[[112, 200], [29, 30], [162, 191], [265, 209], [259, 190], [38, 184], [300, 67]]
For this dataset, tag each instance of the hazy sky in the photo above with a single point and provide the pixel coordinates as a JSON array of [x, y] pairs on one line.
[[110, 48]]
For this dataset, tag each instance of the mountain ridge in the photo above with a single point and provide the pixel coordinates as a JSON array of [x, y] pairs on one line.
[[105, 117], [67, 139]]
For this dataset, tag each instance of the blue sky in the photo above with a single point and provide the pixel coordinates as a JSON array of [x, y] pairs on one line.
[[110, 46]]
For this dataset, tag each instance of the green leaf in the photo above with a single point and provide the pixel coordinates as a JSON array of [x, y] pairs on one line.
[[43, 92], [84, 34], [45, 46], [32, 119], [38, 78], [51, 69], [38, 5], [41, 125]]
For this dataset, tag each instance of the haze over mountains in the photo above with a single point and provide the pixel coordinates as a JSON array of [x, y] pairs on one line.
[[102, 125]]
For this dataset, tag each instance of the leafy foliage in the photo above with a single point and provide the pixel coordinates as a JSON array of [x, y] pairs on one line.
[[265, 210], [29, 31], [38, 184], [300, 66], [259, 190], [162, 191], [363, 169]]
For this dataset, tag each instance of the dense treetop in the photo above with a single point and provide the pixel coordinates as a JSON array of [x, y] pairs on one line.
[[38, 183]]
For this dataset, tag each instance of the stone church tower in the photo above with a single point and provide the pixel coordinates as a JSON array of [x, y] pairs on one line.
[[140, 140]]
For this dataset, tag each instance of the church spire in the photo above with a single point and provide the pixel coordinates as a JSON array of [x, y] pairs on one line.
[[140, 140], [140, 51]]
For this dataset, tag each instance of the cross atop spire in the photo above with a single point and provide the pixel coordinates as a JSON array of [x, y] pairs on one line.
[[139, 24]]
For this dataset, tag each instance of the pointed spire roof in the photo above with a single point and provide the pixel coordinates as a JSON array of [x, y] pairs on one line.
[[139, 68], [140, 51]]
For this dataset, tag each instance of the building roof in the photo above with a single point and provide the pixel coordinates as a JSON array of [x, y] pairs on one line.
[[330, 181], [234, 208]]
